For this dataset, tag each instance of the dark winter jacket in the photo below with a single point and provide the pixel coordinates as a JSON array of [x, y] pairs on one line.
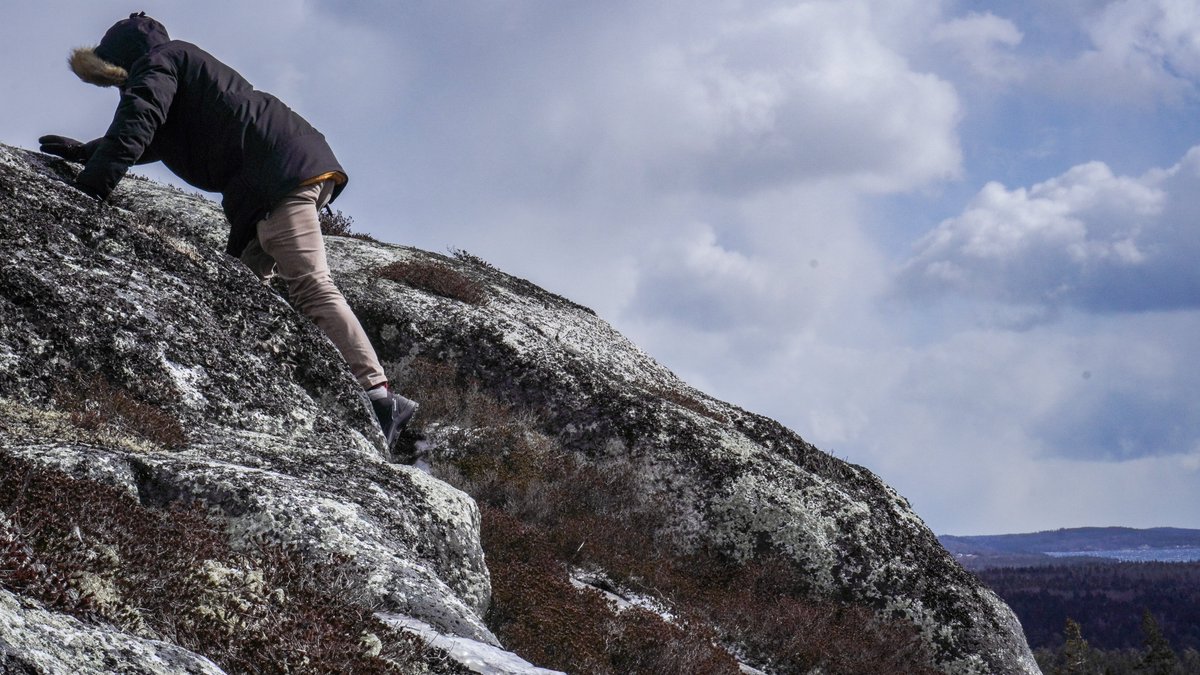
[[202, 119]]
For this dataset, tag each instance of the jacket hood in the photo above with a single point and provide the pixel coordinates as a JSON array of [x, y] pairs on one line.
[[108, 63]]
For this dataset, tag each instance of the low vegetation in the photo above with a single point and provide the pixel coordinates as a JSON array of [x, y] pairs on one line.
[[471, 259], [338, 224], [439, 279], [94, 552], [549, 515], [94, 404]]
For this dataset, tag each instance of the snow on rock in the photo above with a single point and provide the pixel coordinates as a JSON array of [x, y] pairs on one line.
[[619, 599], [478, 657]]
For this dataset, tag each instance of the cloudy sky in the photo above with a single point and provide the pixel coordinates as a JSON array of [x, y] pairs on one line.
[[955, 242]]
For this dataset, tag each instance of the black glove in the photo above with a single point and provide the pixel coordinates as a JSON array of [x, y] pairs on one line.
[[67, 148], [89, 191]]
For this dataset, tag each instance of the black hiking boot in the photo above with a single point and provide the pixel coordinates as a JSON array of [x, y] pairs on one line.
[[393, 414]]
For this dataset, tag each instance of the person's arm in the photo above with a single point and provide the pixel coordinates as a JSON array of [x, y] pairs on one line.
[[148, 156], [145, 101]]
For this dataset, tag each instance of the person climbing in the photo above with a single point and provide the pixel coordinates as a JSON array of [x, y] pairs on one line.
[[274, 171]]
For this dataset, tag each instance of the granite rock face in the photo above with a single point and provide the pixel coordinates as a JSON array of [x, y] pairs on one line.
[[280, 440], [276, 436], [34, 640], [739, 481]]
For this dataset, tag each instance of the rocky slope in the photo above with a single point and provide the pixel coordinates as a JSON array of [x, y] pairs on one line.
[[269, 434]]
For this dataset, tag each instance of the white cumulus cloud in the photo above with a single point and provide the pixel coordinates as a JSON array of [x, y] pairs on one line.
[[984, 43], [1141, 51], [1087, 239]]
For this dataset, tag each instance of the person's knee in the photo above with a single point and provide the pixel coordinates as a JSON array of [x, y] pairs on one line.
[[314, 291], [258, 261]]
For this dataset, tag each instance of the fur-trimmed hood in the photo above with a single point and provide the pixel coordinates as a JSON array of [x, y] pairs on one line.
[[184, 107], [108, 63]]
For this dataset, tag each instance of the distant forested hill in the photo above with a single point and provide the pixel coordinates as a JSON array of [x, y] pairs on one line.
[[1019, 550], [1106, 599], [1075, 539]]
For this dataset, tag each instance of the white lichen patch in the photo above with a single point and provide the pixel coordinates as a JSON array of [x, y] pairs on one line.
[[372, 645], [350, 255], [538, 331], [734, 448], [447, 584], [752, 509], [291, 428], [190, 382], [106, 597], [232, 596], [8, 359]]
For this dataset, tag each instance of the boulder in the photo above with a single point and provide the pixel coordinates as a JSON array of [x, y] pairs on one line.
[[263, 423], [230, 398]]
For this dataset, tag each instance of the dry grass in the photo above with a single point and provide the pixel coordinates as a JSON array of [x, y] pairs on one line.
[[435, 278]]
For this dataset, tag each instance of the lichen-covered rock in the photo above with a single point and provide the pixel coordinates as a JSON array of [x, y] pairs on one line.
[[740, 481], [277, 437], [33, 640], [134, 353]]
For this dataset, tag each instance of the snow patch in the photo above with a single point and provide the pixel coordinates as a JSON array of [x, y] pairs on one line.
[[623, 600], [476, 656]]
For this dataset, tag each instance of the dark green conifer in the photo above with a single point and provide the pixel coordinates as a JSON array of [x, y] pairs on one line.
[[1158, 657], [1075, 651]]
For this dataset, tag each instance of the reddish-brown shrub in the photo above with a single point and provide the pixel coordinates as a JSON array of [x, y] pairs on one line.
[[94, 403], [537, 612], [756, 606], [434, 278], [689, 402], [170, 573], [546, 510]]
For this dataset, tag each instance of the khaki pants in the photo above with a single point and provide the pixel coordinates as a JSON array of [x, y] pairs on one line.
[[289, 243]]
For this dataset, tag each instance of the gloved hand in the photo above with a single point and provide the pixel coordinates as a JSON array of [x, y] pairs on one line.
[[67, 148], [89, 191]]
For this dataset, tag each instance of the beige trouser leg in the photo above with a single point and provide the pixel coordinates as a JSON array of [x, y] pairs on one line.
[[289, 242]]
